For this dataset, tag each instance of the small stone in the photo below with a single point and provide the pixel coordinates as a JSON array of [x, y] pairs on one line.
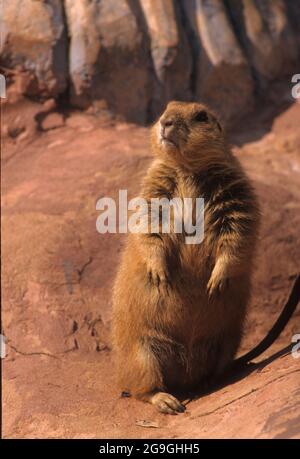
[[49, 104], [15, 131], [147, 424], [56, 143], [52, 121], [23, 136], [81, 122]]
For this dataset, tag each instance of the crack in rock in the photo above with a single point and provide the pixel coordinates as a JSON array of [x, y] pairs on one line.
[[207, 413]]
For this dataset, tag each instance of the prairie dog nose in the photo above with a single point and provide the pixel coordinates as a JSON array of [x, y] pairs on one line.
[[166, 126]]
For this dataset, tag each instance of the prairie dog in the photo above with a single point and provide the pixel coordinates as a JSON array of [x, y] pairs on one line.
[[179, 309]]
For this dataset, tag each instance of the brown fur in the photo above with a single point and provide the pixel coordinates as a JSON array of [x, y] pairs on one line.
[[178, 309]]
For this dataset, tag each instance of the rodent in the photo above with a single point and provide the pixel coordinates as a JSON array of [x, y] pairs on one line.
[[179, 309]]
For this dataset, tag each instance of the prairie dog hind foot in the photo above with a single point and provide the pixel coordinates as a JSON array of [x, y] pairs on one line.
[[166, 403]]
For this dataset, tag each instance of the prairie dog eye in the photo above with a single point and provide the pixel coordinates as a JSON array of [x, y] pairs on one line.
[[201, 117]]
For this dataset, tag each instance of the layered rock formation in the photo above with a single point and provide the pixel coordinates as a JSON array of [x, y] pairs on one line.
[[131, 56], [34, 41], [269, 41], [222, 73], [171, 54], [107, 57]]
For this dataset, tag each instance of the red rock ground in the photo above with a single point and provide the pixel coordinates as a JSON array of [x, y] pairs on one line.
[[57, 273]]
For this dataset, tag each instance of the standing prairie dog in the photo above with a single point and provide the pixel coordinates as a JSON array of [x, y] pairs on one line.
[[179, 309]]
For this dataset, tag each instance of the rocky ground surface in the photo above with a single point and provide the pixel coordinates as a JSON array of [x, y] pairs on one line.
[[57, 273]]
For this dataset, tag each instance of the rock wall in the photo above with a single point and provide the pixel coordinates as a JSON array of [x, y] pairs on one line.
[[131, 56], [34, 40]]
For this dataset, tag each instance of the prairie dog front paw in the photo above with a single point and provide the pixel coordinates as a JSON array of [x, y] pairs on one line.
[[158, 274]]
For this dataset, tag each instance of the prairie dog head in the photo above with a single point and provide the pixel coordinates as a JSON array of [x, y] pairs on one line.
[[189, 134]]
